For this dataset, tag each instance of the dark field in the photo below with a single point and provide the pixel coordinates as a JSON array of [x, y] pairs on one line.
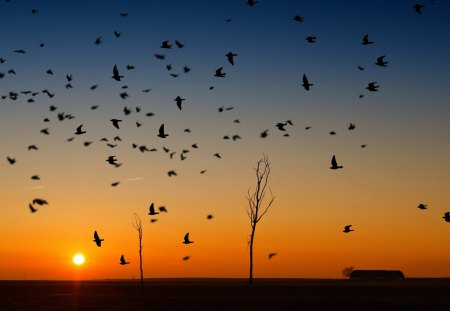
[[227, 294]]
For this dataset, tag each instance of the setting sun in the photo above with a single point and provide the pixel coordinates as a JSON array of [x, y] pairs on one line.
[[78, 259]]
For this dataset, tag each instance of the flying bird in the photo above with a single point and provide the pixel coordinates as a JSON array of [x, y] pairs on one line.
[[166, 45], [230, 56], [334, 165], [366, 41], [116, 75], [271, 255], [251, 2], [98, 40], [311, 39], [32, 209], [35, 177], [281, 126], [422, 206], [40, 202], [418, 7], [186, 239], [122, 261], [115, 184], [97, 239], [162, 209], [447, 217], [152, 210], [179, 44], [264, 134], [347, 229], [79, 131], [172, 173], [306, 83], [351, 126], [209, 217], [115, 122], [380, 61], [217, 155], [219, 73], [372, 87], [179, 101], [298, 18], [117, 34], [112, 160], [186, 258], [11, 160], [161, 132]]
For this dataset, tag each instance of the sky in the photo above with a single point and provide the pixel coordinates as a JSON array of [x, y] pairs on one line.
[[404, 126]]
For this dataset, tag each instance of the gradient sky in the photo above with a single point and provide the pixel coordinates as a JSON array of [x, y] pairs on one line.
[[405, 126]]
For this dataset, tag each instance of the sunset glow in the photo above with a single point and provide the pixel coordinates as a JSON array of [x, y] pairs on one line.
[[103, 115]]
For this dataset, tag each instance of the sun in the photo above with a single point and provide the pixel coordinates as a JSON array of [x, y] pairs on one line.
[[78, 259]]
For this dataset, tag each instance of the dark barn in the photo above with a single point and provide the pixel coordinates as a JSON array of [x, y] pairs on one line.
[[377, 274]]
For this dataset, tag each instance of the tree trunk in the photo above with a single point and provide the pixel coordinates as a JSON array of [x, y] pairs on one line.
[[140, 262], [252, 237]]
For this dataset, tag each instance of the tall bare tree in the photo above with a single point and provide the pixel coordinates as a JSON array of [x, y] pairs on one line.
[[258, 204], [137, 224]]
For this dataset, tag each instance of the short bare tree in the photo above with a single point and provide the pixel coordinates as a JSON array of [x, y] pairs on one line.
[[258, 204], [137, 224], [347, 271]]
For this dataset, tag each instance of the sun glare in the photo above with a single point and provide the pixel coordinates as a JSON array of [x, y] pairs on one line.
[[78, 259]]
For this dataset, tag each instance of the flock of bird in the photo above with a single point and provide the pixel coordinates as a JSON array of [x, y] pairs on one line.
[[162, 132]]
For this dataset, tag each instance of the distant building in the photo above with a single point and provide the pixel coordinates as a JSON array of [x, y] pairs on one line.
[[377, 274]]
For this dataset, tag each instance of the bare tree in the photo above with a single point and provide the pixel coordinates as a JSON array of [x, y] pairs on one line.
[[258, 204], [347, 271], [138, 226]]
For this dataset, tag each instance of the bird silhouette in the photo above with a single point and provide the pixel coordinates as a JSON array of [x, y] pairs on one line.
[[172, 173], [209, 217], [115, 184], [153, 220], [422, 206], [115, 122], [447, 217], [160, 56], [230, 56], [186, 258], [251, 2], [306, 83], [366, 41], [186, 239], [32, 208], [271, 255], [123, 262], [347, 229], [161, 132], [162, 209], [334, 165], [97, 239], [380, 61], [360, 68], [116, 75], [40, 202], [298, 18], [281, 126], [217, 155], [179, 101], [112, 160], [98, 40], [372, 87], [35, 177], [152, 210], [79, 131], [311, 39], [219, 73], [166, 45], [418, 8], [11, 160], [179, 44], [351, 126], [117, 34], [264, 134]]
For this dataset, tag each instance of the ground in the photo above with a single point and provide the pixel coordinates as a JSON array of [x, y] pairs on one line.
[[227, 294]]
